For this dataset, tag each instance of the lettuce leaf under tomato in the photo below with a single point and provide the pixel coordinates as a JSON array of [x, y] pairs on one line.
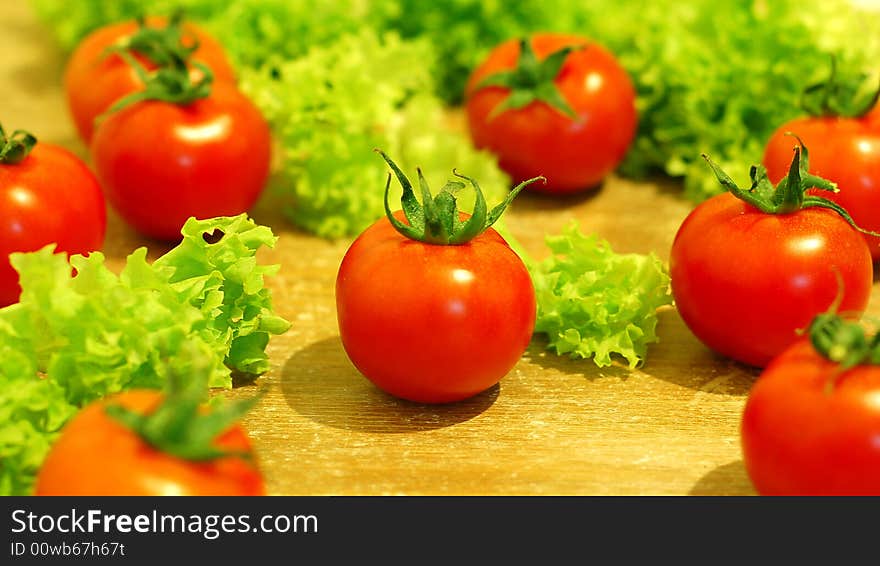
[[81, 332], [595, 303]]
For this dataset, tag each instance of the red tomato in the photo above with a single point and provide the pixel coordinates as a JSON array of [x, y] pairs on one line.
[[801, 438], [745, 282], [97, 455], [433, 323], [161, 163], [574, 154], [843, 150], [50, 196], [874, 116], [94, 80]]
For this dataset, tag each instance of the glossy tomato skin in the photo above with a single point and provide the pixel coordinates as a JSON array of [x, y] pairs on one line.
[[573, 154], [745, 282], [97, 455], [49, 197], [161, 163], [94, 80], [843, 150], [801, 438], [433, 323]]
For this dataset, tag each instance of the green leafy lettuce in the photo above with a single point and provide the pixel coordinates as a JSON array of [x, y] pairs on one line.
[[712, 76], [593, 302], [332, 107], [78, 336], [32, 412]]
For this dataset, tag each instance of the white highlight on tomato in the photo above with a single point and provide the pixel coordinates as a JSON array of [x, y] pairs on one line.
[[593, 82], [216, 129], [462, 275]]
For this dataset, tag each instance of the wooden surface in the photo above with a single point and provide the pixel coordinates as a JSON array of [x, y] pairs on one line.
[[553, 426]]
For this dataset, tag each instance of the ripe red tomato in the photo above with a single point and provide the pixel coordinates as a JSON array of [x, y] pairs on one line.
[[97, 455], [50, 196], [574, 153], [433, 323], [809, 428], [745, 281], [160, 163], [95, 79], [843, 150]]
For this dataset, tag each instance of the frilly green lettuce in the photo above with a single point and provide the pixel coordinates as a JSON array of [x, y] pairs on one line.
[[593, 302], [224, 281], [32, 412], [332, 107], [711, 76], [81, 332]]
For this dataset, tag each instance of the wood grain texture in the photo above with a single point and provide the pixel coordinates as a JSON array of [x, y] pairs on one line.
[[553, 426]]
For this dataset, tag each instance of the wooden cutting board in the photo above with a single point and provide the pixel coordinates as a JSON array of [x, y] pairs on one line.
[[553, 426]]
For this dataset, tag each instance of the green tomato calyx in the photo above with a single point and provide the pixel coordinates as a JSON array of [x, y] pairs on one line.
[[845, 342], [850, 95], [180, 426], [436, 220], [166, 47], [14, 148], [531, 80], [790, 194]]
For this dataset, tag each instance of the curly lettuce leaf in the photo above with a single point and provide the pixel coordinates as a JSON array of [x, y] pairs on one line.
[[81, 332], [226, 284], [251, 31], [97, 333], [711, 76], [331, 108], [595, 303], [32, 412]]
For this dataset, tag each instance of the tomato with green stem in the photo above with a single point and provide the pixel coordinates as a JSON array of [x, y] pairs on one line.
[[47, 195], [844, 137], [147, 442], [96, 76], [811, 421], [750, 268], [179, 149], [433, 305], [554, 105]]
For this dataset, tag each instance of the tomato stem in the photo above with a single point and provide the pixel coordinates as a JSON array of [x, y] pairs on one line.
[[14, 148], [436, 220], [179, 426], [790, 195], [163, 45], [844, 343], [171, 80], [531, 80]]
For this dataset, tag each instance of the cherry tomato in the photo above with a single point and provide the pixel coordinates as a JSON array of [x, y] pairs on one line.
[[97, 455], [433, 323], [745, 281], [873, 116], [95, 79], [160, 163], [574, 153], [843, 150], [811, 428], [49, 197]]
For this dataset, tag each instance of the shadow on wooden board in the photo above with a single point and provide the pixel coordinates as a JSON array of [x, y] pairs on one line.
[[727, 479], [678, 357], [320, 383]]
